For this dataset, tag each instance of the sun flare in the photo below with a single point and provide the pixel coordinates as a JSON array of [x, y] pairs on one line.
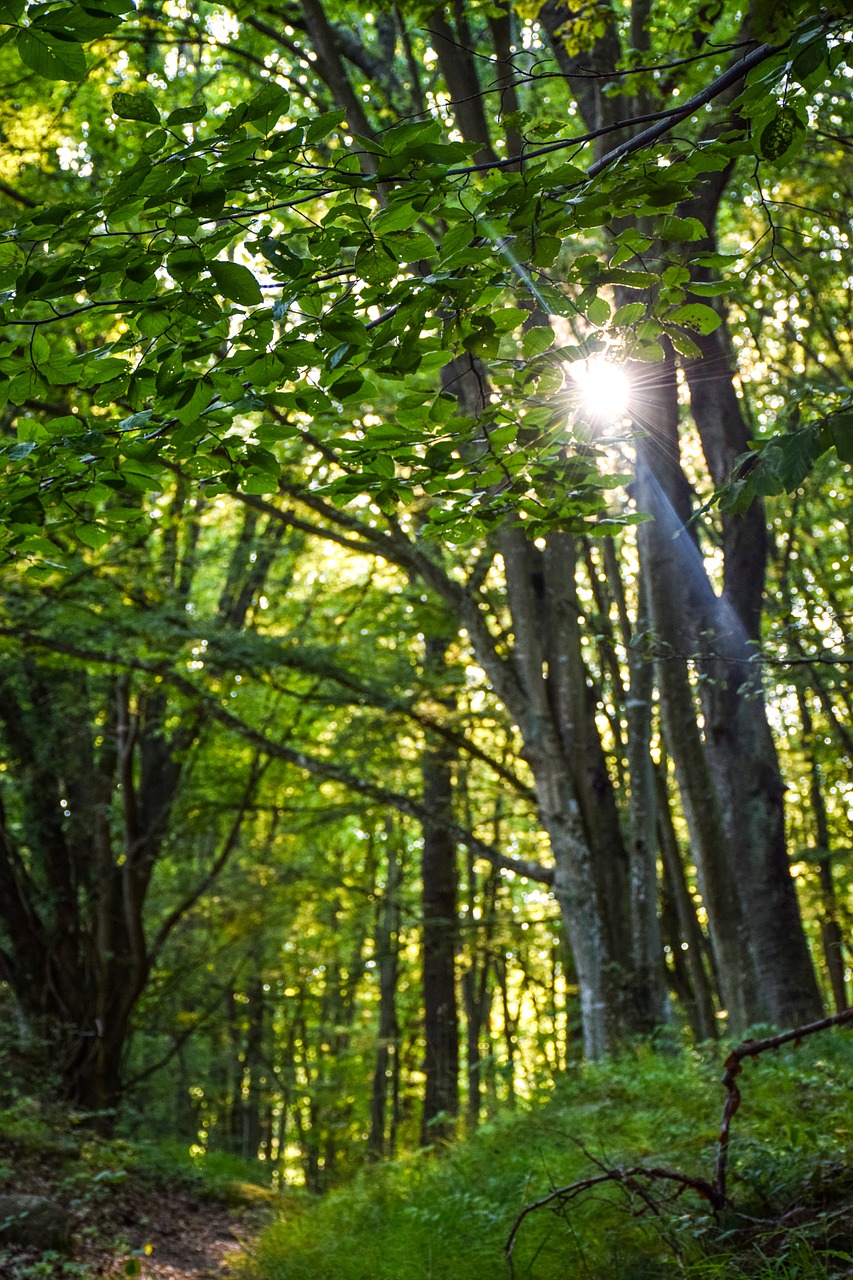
[[604, 387]]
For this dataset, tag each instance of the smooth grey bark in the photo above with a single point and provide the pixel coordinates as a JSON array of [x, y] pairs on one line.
[[574, 792], [832, 936], [648, 965], [647, 944], [688, 929], [729, 776]]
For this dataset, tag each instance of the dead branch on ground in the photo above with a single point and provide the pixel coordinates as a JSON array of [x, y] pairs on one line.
[[638, 1180]]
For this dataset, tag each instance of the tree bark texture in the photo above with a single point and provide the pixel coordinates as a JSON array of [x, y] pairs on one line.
[[729, 775]]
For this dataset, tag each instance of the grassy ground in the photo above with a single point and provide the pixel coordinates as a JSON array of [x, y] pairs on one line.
[[449, 1216]]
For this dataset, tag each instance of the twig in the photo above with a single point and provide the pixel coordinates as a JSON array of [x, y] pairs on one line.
[[713, 1192], [625, 1177], [751, 1049]]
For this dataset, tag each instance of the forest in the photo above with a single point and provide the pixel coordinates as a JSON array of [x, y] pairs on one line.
[[426, 735]]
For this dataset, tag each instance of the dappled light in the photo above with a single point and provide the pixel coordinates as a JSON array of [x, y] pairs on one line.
[[426, 440]]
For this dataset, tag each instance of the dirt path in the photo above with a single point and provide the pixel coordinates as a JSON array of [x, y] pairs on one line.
[[171, 1233], [188, 1239]]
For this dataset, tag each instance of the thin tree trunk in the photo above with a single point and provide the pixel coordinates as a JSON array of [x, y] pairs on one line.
[[438, 901], [832, 937], [387, 1069], [689, 930]]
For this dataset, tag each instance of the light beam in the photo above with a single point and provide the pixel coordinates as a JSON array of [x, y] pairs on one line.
[[604, 387]]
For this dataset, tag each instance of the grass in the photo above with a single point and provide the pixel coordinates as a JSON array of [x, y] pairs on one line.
[[449, 1216]]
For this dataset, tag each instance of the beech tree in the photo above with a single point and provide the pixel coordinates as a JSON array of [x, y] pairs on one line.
[[360, 293]]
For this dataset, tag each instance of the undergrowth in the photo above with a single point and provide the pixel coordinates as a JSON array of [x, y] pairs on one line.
[[449, 1215]]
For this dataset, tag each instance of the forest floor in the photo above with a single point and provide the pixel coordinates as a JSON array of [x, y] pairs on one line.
[[126, 1219], [532, 1178]]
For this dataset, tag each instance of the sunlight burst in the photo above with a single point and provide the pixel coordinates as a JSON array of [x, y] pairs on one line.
[[604, 387]]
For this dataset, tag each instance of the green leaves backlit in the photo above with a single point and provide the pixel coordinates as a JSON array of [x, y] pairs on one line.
[[780, 139], [136, 106], [50, 38]]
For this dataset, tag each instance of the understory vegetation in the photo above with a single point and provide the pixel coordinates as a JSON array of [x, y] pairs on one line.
[[791, 1184], [139, 1208], [426, 446]]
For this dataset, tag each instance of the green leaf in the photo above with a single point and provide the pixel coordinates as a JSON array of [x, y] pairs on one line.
[[406, 138], [92, 535], [500, 437], [22, 450], [537, 340], [680, 230], [155, 141], [796, 456], [598, 311], [695, 316], [781, 138], [685, 346], [711, 288], [186, 115], [458, 237], [840, 426], [508, 318], [630, 313], [103, 369], [49, 57], [321, 126], [193, 400], [79, 22], [650, 352], [136, 106], [236, 282], [136, 420], [397, 217], [545, 250], [811, 63], [153, 322], [268, 105]]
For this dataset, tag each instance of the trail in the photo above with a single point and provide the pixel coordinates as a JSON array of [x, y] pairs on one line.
[[171, 1232], [174, 1235]]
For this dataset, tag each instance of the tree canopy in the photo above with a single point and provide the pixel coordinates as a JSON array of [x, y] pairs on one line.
[[414, 615]]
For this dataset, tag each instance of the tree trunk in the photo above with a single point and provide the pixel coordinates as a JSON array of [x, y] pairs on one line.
[[386, 1073], [556, 715], [687, 928], [832, 938], [438, 902], [729, 777]]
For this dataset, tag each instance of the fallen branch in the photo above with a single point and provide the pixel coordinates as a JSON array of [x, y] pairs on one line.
[[633, 1179], [733, 1068], [628, 1178]]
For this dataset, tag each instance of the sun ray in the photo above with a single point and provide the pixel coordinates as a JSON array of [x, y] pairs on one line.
[[604, 389]]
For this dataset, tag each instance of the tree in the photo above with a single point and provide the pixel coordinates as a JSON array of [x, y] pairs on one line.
[[361, 325]]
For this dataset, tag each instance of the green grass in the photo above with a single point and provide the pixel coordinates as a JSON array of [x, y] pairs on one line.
[[448, 1217]]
